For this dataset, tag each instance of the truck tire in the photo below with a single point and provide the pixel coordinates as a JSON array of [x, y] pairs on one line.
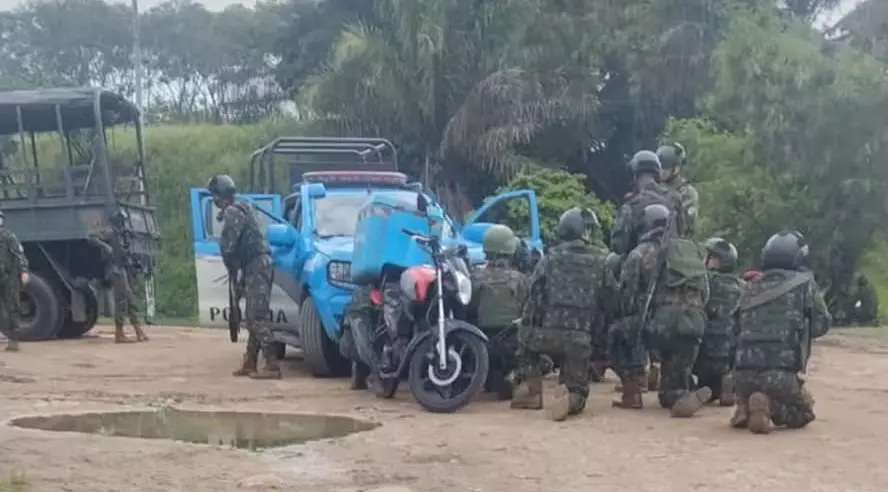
[[40, 309], [75, 329], [320, 353]]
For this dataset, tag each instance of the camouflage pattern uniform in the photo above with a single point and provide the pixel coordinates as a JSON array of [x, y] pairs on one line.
[[716, 355], [624, 236], [690, 203], [115, 260], [13, 264], [360, 317], [566, 301], [245, 250], [780, 313]]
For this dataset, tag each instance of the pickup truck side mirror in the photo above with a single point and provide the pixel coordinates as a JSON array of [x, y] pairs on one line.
[[281, 235]]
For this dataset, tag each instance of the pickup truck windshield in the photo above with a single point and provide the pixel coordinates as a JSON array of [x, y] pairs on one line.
[[337, 213]]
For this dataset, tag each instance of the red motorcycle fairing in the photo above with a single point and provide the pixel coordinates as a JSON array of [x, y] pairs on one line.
[[415, 282]]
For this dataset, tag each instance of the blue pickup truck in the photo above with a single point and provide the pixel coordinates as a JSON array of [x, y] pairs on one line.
[[311, 235]]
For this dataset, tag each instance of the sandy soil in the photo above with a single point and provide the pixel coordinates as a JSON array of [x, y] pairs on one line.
[[487, 447]]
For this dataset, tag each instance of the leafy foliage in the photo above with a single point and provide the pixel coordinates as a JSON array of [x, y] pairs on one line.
[[556, 192]]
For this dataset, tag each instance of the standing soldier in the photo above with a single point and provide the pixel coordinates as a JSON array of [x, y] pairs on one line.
[[116, 266], [566, 301], [713, 366], [500, 293], [672, 158], [245, 251], [666, 275], [780, 313], [13, 275]]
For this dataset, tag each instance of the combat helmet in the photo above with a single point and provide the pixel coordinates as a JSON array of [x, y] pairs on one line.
[[614, 264], [572, 224], [724, 251], [671, 156], [500, 240], [222, 186], [645, 161], [654, 216], [786, 250]]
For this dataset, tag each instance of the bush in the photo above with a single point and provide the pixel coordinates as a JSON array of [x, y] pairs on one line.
[[874, 265], [556, 191]]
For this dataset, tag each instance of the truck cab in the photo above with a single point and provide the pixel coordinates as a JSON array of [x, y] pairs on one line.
[[311, 234]]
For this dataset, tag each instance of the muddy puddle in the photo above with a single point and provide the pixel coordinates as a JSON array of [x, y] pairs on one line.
[[238, 429]]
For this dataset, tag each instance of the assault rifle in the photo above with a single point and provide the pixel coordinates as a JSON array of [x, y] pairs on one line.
[[655, 280], [234, 314]]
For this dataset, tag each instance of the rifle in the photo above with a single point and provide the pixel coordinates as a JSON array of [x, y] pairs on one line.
[[655, 280], [234, 315]]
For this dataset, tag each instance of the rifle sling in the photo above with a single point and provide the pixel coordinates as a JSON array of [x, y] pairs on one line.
[[775, 292]]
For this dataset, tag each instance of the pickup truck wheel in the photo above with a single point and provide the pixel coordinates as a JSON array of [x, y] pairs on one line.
[[75, 329], [321, 354], [40, 310]]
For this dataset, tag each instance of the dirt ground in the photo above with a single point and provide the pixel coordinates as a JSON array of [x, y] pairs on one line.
[[486, 447]]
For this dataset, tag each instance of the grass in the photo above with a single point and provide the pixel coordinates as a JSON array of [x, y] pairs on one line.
[[14, 483]]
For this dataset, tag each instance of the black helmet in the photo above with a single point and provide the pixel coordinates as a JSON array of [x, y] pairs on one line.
[[671, 156], [724, 251], [614, 264], [787, 250], [645, 161], [571, 225], [222, 186], [654, 216]]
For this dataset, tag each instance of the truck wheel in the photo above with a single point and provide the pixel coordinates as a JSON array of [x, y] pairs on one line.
[[321, 354], [40, 310], [76, 329]]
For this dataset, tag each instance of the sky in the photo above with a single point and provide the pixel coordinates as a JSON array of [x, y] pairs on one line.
[[846, 7]]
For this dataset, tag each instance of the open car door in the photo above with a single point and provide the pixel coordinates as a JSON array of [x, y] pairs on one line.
[[212, 276], [495, 210]]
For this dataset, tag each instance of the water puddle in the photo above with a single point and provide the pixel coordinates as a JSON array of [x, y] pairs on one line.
[[238, 429]]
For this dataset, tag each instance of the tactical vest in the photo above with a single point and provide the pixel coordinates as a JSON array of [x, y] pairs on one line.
[[498, 301], [724, 295], [573, 276], [251, 243], [773, 322], [9, 262]]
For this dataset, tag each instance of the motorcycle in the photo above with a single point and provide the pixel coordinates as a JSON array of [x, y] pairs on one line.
[[445, 361]]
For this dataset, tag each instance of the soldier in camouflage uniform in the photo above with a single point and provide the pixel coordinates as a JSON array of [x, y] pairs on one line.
[[245, 251], [680, 290], [713, 366], [566, 301], [13, 275], [780, 313], [117, 273], [359, 319], [672, 158], [500, 291]]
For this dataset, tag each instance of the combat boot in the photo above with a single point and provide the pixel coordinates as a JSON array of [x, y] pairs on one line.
[[140, 334], [759, 413], [248, 366], [271, 370], [631, 397], [690, 403], [119, 336], [359, 375], [653, 382], [740, 419], [528, 395], [726, 399], [12, 345]]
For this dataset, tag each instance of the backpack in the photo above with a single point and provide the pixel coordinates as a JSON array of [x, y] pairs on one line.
[[573, 276], [685, 266]]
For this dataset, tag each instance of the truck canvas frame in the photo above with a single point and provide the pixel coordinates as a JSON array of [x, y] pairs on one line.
[[59, 183]]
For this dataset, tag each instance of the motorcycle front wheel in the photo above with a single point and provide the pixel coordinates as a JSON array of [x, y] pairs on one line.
[[448, 390]]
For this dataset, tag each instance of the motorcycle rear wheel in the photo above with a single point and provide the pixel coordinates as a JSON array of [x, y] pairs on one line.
[[474, 362]]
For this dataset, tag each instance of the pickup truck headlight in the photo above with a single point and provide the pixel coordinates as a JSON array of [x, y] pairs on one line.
[[339, 272]]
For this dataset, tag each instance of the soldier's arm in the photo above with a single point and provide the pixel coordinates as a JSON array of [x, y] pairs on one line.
[[15, 247], [821, 320], [630, 278], [536, 284], [620, 235], [96, 240], [233, 222]]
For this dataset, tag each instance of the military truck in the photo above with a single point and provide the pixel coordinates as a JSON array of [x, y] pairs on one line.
[[58, 183]]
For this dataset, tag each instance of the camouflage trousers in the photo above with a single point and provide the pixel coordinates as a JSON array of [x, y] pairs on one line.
[[715, 358], [676, 333], [569, 349], [257, 295], [600, 343], [791, 403], [125, 304], [9, 310], [627, 351]]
